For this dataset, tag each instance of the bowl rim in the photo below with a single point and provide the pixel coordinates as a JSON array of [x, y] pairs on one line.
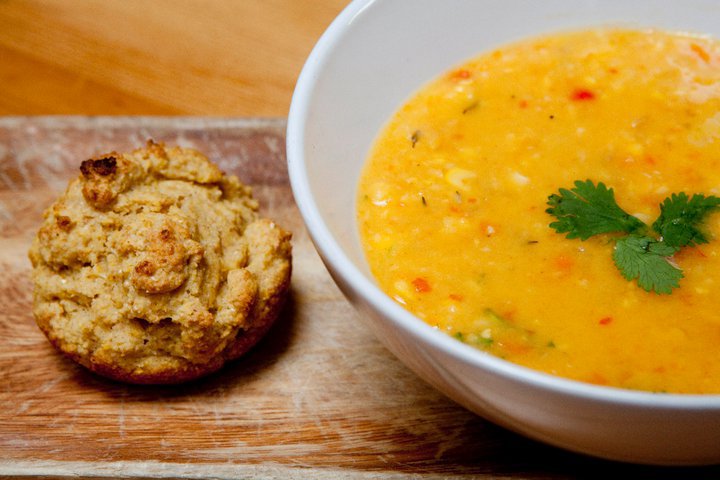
[[340, 264]]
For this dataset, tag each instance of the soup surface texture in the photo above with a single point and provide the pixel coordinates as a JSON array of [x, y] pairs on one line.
[[452, 205]]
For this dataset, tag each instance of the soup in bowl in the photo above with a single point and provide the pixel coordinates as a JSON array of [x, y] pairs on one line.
[[463, 223], [449, 249]]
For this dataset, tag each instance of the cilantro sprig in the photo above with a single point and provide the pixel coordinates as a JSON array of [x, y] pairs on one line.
[[589, 210], [647, 260], [681, 218], [641, 253]]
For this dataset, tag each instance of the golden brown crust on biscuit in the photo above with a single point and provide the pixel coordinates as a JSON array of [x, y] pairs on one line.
[[154, 267]]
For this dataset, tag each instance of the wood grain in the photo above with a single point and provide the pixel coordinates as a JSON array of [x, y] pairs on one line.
[[318, 398], [163, 57]]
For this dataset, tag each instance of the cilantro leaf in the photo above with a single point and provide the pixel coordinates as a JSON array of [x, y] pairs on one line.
[[681, 218], [589, 210], [646, 259]]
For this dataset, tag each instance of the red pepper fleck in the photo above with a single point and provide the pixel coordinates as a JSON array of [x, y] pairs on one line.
[[460, 74], [523, 103], [421, 285], [564, 264], [597, 379], [605, 320], [689, 252], [701, 52], [456, 297], [581, 94]]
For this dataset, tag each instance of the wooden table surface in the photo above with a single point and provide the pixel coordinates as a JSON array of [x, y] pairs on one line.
[[158, 57], [320, 398]]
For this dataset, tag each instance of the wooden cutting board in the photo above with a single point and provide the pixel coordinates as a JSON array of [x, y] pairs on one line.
[[318, 398]]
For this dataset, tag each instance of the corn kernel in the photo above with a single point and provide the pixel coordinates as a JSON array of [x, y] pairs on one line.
[[519, 178], [381, 242], [460, 177]]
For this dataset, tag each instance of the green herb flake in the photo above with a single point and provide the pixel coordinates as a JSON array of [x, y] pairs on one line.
[[470, 107], [414, 138], [484, 342]]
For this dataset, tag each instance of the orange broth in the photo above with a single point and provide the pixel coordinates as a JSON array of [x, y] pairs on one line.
[[451, 204]]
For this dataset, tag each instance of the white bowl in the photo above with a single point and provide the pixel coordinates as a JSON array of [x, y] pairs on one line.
[[368, 62]]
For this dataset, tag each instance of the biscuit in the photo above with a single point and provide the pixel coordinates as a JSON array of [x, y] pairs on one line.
[[155, 267]]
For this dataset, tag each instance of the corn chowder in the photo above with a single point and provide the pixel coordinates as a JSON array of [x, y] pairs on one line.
[[453, 201]]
